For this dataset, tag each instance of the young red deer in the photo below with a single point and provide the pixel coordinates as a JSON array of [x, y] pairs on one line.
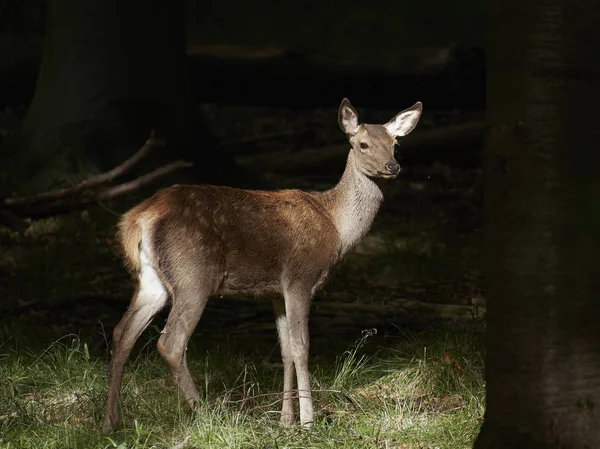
[[188, 243]]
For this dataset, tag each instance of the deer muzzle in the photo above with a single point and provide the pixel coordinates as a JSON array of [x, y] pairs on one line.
[[393, 168]]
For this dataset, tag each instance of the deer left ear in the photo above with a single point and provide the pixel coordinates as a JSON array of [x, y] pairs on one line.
[[348, 118], [405, 121]]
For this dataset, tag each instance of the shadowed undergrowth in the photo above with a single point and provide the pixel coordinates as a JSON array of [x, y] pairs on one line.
[[425, 391]]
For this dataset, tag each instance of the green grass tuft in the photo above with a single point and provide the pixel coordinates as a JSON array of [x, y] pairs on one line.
[[425, 391]]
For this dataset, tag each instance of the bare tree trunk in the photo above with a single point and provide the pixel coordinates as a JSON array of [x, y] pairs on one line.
[[111, 72], [542, 226]]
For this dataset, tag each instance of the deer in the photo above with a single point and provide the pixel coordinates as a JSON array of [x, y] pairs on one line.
[[188, 243]]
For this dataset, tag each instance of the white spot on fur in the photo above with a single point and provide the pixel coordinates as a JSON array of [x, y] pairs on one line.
[[282, 326]]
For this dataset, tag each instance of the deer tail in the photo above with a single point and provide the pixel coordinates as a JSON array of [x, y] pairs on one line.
[[130, 236]]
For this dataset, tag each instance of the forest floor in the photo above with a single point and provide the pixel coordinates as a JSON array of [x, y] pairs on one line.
[[395, 332]]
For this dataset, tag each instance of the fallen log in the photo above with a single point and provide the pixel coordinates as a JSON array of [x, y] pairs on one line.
[[435, 144], [412, 313]]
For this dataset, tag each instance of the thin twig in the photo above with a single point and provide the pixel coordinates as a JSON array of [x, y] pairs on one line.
[[103, 333], [295, 396], [262, 406], [244, 398], [108, 209], [143, 180], [237, 401]]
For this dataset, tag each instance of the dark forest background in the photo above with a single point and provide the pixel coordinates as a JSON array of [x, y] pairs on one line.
[[492, 228]]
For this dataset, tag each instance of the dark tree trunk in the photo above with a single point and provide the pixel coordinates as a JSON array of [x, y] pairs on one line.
[[542, 226], [111, 71]]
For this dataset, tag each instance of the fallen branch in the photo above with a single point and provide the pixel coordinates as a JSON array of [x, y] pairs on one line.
[[141, 181], [89, 191], [442, 143], [87, 198], [421, 309], [90, 182], [414, 313]]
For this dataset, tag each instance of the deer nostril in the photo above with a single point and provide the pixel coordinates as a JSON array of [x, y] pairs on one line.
[[393, 168]]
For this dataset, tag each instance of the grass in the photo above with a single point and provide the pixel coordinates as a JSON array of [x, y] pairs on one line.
[[424, 391]]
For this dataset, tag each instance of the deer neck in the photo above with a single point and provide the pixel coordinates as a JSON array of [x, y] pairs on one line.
[[353, 204]]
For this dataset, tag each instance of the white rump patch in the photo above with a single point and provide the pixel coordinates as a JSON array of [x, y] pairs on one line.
[[152, 291]]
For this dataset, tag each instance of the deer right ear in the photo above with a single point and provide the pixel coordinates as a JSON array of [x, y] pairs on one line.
[[348, 118], [405, 121]]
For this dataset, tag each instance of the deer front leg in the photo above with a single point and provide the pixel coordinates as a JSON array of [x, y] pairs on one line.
[[297, 307], [283, 331]]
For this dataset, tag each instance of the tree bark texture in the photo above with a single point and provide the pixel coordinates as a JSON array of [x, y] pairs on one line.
[[542, 230], [111, 72]]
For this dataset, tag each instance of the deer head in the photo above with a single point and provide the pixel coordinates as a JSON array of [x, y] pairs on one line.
[[373, 145]]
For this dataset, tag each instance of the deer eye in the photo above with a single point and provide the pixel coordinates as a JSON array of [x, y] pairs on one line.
[[364, 145]]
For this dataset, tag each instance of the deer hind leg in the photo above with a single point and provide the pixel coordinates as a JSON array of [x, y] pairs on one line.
[[297, 307], [150, 298], [283, 331], [188, 305]]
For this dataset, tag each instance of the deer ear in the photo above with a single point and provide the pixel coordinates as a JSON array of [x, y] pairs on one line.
[[405, 121], [348, 118]]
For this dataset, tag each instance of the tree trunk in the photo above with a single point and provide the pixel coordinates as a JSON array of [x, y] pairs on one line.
[[542, 221], [111, 72]]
